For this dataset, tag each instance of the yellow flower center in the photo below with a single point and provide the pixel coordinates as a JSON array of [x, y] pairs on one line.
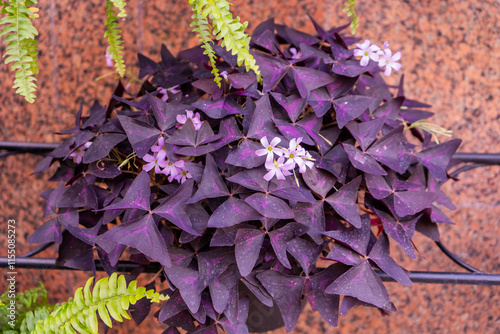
[[270, 148]]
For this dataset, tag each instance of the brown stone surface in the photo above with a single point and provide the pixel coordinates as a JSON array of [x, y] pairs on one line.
[[451, 52]]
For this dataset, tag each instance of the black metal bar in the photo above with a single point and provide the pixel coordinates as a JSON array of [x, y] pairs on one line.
[[37, 250], [28, 147], [415, 276], [485, 158], [457, 260]]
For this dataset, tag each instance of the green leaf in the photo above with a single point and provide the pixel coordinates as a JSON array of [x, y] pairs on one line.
[[21, 46]]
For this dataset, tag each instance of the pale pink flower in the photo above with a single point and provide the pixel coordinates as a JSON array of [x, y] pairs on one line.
[[195, 118], [153, 162], [183, 176], [163, 92], [269, 148], [109, 58], [159, 149], [278, 168], [390, 61], [80, 152], [384, 47], [367, 52], [295, 54], [173, 169]]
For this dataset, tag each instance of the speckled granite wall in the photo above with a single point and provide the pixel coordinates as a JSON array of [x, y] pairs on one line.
[[451, 59]]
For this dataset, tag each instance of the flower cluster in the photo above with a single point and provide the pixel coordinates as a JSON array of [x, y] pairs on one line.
[[382, 55], [295, 154], [197, 122], [157, 160]]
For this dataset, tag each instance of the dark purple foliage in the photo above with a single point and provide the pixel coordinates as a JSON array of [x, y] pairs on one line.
[[180, 181]]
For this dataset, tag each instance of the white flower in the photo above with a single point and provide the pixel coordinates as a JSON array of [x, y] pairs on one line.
[[295, 152], [278, 169], [308, 162], [194, 118], [269, 148], [367, 52], [390, 61], [80, 152], [381, 51], [153, 161]]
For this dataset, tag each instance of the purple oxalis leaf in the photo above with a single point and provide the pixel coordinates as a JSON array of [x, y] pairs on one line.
[[187, 281], [313, 216], [244, 155], [356, 238], [232, 212], [280, 237], [363, 283], [219, 108], [391, 151], [247, 250], [327, 304], [351, 107], [437, 158], [140, 135], [344, 255], [305, 252], [174, 208], [212, 264], [308, 79], [395, 230], [137, 195], [286, 292], [318, 181], [293, 104], [142, 234], [344, 202], [363, 161], [270, 206], [380, 254], [378, 186], [211, 185], [411, 202], [365, 132]]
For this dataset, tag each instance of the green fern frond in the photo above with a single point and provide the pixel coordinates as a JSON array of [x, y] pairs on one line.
[[349, 8], [110, 298], [32, 317], [26, 301], [21, 47], [228, 29], [120, 4], [114, 38], [203, 28]]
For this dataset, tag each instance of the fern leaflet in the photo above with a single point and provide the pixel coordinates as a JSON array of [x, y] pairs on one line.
[[203, 28], [21, 46], [114, 38], [110, 298], [120, 4], [349, 8], [228, 29]]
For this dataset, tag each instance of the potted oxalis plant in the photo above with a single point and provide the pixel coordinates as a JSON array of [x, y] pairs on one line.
[[256, 191]]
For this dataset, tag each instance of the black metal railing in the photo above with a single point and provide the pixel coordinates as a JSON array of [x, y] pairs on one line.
[[474, 276]]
